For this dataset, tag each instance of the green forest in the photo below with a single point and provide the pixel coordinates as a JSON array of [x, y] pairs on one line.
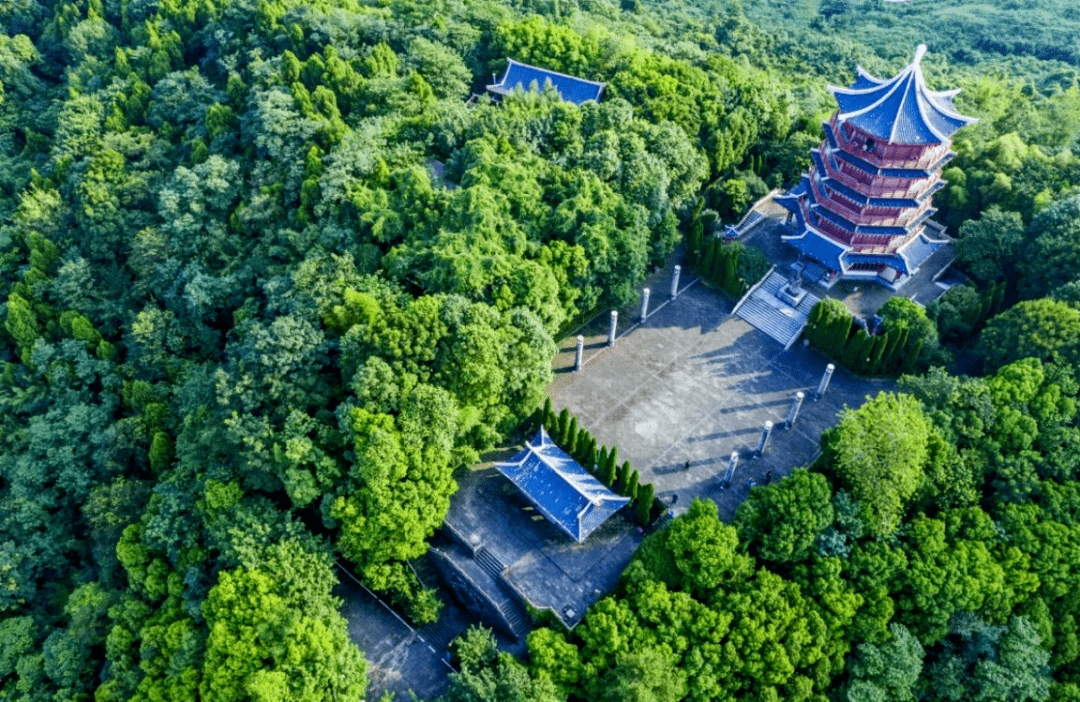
[[267, 282]]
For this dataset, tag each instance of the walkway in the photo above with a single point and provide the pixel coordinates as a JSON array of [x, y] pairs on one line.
[[679, 394]]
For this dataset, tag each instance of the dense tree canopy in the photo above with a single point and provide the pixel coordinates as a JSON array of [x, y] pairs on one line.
[[268, 277]]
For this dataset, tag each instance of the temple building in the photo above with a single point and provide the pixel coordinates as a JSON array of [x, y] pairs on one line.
[[522, 76], [863, 210], [564, 492]]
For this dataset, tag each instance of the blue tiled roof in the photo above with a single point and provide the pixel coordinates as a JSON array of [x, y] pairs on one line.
[[790, 200], [901, 110], [893, 202], [919, 249], [564, 492], [830, 134], [526, 77], [851, 258], [905, 172], [818, 247], [857, 162]]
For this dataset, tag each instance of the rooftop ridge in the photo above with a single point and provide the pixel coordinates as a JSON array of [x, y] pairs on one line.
[[554, 73]]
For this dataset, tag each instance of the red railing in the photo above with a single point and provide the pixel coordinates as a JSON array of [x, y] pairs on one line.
[[873, 216], [871, 185], [887, 155]]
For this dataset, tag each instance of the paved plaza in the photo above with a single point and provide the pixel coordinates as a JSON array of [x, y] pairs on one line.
[[680, 393]]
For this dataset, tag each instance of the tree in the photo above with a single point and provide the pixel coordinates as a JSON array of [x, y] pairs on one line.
[[551, 656], [563, 433], [983, 662], [957, 312], [623, 478], [880, 452], [273, 638], [609, 469], [698, 552], [489, 676], [573, 438], [1045, 329], [646, 675], [780, 522], [1055, 254], [887, 672], [900, 313], [855, 354], [645, 503], [989, 247]]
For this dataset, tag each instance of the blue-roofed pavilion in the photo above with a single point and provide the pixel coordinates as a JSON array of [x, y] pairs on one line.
[[560, 489], [525, 77]]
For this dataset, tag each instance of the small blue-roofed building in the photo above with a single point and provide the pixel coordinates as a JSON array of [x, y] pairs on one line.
[[560, 489], [525, 77]]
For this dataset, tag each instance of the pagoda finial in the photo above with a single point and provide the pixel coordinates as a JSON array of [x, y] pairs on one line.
[[919, 54]]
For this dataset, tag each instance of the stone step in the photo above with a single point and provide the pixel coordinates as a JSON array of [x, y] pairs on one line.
[[750, 220], [492, 565], [425, 572], [765, 311], [765, 318], [439, 634], [518, 617]]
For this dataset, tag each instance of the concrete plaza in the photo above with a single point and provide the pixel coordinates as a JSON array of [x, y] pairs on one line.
[[678, 394]]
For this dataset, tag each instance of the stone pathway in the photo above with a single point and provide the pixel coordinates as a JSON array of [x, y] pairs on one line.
[[681, 392]]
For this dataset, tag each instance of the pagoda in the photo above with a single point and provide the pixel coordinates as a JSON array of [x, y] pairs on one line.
[[863, 210]]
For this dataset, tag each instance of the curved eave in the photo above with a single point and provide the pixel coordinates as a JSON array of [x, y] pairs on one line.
[[902, 110]]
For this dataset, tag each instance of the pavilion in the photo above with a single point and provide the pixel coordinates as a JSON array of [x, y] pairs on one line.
[[560, 489], [525, 77]]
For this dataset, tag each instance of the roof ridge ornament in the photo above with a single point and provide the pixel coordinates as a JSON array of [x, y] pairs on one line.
[[920, 51]]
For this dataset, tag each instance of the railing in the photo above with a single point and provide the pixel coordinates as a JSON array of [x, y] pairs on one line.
[[886, 156], [871, 185]]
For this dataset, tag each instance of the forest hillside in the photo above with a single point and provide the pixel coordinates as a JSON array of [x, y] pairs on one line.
[[267, 281]]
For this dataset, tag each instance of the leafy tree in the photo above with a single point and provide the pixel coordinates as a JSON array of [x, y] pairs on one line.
[[888, 671], [1044, 329], [989, 247], [986, 662], [781, 522], [644, 503], [648, 675], [880, 452], [489, 676], [957, 313], [305, 653], [1055, 256], [922, 349]]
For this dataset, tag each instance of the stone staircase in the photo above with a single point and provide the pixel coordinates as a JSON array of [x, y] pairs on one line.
[[772, 315], [752, 218], [487, 560], [516, 615], [439, 634]]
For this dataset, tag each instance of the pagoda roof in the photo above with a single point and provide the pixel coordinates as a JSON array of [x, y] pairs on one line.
[[901, 110], [526, 77], [564, 492], [920, 248]]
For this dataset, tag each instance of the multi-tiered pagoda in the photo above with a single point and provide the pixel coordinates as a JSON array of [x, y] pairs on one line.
[[863, 210]]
